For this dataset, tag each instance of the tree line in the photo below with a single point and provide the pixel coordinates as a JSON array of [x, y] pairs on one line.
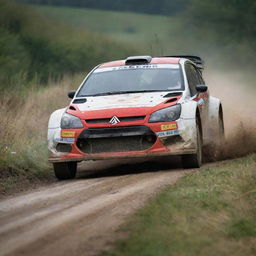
[[35, 47], [162, 7], [228, 24]]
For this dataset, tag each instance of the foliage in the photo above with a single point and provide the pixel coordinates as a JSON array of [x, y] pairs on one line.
[[148, 34], [231, 19], [218, 31], [24, 116], [165, 7], [227, 28], [35, 46]]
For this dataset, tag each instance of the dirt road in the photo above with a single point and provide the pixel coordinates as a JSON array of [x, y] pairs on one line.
[[79, 217]]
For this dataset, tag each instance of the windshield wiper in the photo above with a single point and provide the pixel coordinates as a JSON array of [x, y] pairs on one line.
[[119, 92]]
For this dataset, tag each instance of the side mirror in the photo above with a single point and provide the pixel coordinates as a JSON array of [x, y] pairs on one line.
[[201, 88], [71, 94]]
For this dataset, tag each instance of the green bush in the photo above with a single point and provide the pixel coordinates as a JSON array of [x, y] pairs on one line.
[[35, 46]]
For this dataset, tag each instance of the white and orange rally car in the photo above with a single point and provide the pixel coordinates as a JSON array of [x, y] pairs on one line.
[[138, 107]]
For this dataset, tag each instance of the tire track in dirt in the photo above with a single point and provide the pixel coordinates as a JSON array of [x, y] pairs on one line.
[[77, 217]]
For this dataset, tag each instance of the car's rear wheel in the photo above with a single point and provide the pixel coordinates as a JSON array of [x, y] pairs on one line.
[[219, 142], [65, 170], [194, 160]]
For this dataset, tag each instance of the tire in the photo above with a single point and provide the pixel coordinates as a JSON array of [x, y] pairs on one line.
[[65, 170], [194, 160], [221, 130], [218, 145], [215, 149]]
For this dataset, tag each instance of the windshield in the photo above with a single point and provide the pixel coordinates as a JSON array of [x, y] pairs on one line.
[[125, 79]]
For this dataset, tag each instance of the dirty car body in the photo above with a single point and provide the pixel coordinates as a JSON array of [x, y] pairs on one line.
[[138, 107]]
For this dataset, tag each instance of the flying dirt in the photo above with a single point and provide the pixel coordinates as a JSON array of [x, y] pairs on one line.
[[238, 99]]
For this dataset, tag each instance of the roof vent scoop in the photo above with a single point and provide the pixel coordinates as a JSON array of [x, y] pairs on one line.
[[138, 60]]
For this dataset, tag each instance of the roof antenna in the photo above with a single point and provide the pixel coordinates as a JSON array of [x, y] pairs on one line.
[[159, 43]]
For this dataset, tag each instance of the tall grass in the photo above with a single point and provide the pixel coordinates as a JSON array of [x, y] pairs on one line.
[[24, 118]]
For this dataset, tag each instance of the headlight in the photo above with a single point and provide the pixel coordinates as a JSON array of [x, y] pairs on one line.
[[166, 114], [69, 121]]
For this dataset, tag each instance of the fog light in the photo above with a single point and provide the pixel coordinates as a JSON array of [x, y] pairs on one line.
[[64, 148]]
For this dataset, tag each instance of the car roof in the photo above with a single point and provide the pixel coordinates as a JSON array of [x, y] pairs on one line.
[[156, 60]]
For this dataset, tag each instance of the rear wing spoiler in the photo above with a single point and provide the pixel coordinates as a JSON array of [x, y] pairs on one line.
[[197, 60]]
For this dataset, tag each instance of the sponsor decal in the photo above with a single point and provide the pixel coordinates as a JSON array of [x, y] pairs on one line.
[[66, 140], [200, 102], [167, 133], [68, 134], [131, 67], [114, 120], [165, 127]]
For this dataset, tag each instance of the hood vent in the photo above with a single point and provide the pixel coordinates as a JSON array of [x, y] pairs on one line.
[[79, 101], [172, 94], [171, 100], [72, 108]]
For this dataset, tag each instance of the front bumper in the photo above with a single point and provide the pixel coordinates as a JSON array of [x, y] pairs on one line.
[[147, 140]]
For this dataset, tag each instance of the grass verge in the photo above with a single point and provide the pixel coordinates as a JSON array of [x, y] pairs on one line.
[[24, 115], [208, 212]]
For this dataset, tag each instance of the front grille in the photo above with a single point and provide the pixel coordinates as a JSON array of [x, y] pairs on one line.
[[116, 139], [121, 119]]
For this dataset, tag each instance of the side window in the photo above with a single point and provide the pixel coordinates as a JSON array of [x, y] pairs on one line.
[[200, 77], [193, 78]]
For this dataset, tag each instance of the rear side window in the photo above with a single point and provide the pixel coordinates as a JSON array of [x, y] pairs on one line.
[[200, 77], [193, 78]]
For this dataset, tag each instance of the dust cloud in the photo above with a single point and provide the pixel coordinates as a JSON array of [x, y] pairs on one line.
[[237, 94]]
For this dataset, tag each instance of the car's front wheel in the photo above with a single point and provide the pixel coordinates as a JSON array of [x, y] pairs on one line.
[[194, 160], [65, 170]]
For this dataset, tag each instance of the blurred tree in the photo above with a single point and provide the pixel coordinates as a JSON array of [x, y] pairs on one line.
[[32, 46], [166, 7], [222, 29], [230, 19]]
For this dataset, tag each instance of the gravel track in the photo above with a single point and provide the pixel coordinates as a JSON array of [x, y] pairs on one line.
[[80, 217]]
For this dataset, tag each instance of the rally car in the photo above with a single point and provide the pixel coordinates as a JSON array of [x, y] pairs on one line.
[[137, 107]]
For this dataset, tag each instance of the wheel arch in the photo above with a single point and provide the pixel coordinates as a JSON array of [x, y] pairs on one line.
[[221, 111], [55, 118], [198, 115], [54, 127], [188, 121], [215, 112]]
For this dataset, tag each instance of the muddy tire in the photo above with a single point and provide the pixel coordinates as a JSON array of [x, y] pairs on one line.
[[194, 160], [218, 145], [65, 171], [221, 133]]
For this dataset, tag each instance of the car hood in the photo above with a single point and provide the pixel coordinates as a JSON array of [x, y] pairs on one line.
[[131, 100]]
